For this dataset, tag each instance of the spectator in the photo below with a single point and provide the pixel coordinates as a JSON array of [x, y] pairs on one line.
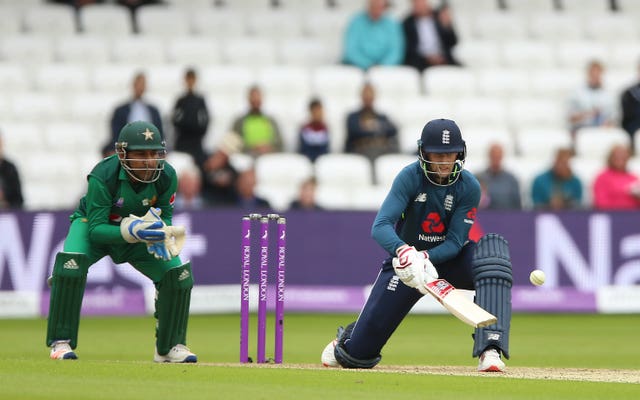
[[591, 105], [429, 36], [219, 183], [246, 194], [369, 132], [10, 186], [191, 120], [306, 196], [557, 188], [136, 109], [630, 105], [258, 131], [502, 189], [314, 135], [615, 188], [189, 194], [373, 38]]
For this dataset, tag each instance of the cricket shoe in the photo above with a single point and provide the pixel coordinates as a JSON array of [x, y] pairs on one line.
[[490, 361], [178, 354], [328, 357], [60, 350]]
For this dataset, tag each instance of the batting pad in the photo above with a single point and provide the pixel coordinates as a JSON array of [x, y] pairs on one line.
[[67, 289], [173, 296], [493, 280]]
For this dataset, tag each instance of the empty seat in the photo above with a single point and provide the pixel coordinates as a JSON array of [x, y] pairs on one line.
[[531, 54], [10, 19], [339, 80], [231, 80], [285, 80], [576, 54], [530, 6], [542, 143], [395, 82], [307, 52], [274, 24], [479, 140], [13, 78], [499, 26], [550, 26], [249, 51], [387, 167], [218, 23], [161, 21], [106, 20], [114, 78], [481, 112], [350, 171], [195, 51], [503, 82], [623, 53], [279, 176], [368, 198], [83, 49], [478, 53], [138, 49], [524, 113], [62, 78], [23, 49], [20, 138], [166, 79], [595, 142], [556, 83], [585, 6], [50, 19], [449, 81], [35, 106], [94, 107]]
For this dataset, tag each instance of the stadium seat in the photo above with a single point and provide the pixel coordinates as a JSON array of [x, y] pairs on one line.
[[624, 53], [587, 169], [195, 51], [477, 54], [576, 54], [449, 82], [480, 112], [180, 161], [479, 140], [106, 20], [59, 78], [332, 197], [279, 176], [217, 23], [531, 112], [162, 21], [228, 80], [527, 7], [251, 51], [94, 107], [590, 7], [14, 78], [394, 82], [549, 26], [369, 198], [503, 83], [595, 142], [285, 80], [138, 50], [530, 54], [21, 138], [27, 50], [610, 28], [629, 7], [339, 80], [275, 24], [83, 49], [304, 52], [50, 19], [38, 107], [11, 18], [499, 26], [387, 166], [556, 83], [114, 78], [166, 79], [71, 137], [542, 143], [351, 171]]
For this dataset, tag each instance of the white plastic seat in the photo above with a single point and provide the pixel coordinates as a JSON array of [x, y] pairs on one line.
[[479, 140], [249, 51], [587, 170], [473, 7], [27, 49], [195, 51], [71, 137], [576, 54], [340, 80], [480, 111], [542, 143], [333, 197], [115, 78], [499, 26], [629, 7], [586, 6], [307, 52], [550, 26], [394, 82], [218, 23], [285, 80], [387, 167], [556, 83], [50, 19], [279, 176], [274, 24], [531, 54], [527, 112], [162, 21], [368, 198], [62, 78], [610, 28], [326, 23], [306, 6], [247, 5], [478, 53], [624, 53], [595, 142], [35, 106], [449, 81], [94, 107], [11, 18], [13, 78], [350, 171], [20, 138], [503, 82], [227, 80], [166, 79], [138, 49], [105, 19], [83, 49], [529, 6]]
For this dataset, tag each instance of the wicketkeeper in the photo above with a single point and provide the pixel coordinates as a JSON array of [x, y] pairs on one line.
[[126, 214], [424, 225]]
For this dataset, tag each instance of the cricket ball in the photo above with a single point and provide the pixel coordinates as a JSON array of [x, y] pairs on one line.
[[537, 277]]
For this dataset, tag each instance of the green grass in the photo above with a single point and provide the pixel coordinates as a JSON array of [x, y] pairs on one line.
[[115, 360]]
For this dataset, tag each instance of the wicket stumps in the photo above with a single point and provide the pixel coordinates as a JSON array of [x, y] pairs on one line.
[[245, 280]]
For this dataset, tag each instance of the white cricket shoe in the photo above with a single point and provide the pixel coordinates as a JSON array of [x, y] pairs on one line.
[[490, 361], [328, 357], [60, 350], [178, 354]]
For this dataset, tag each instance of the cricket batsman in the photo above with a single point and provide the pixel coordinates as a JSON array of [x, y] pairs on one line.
[[424, 225], [126, 214]]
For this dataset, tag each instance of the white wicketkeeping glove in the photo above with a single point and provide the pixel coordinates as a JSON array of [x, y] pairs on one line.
[[413, 267], [146, 229]]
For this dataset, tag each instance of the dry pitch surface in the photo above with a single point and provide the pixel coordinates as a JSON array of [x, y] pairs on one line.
[[562, 374]]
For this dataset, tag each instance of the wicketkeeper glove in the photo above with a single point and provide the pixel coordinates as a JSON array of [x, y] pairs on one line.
[[146, 229], [413, 267]]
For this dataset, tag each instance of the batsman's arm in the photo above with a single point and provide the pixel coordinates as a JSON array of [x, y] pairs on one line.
[[98, 205]]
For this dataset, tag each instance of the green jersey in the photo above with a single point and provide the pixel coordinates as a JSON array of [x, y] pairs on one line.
[[112, 196]]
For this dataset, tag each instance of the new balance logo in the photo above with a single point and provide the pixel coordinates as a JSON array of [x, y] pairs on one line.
[[183, 275], [71, 264], [421, 198], [445, 137], [493, 336]]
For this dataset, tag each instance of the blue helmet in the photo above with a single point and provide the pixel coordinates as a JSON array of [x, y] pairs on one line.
[[441, 136]]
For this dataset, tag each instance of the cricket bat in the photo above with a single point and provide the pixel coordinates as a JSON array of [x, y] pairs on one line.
[[459, 305]]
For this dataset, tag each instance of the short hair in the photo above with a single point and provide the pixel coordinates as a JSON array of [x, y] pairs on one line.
[[190, 73], [315, 102]]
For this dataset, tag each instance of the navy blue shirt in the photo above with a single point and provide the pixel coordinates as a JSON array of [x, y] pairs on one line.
[[427, 216]]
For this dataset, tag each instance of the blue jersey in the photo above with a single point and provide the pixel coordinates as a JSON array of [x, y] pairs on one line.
[[427, 216]]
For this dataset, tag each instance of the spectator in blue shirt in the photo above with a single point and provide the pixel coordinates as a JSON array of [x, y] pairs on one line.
[[558, 188], [373, 38]]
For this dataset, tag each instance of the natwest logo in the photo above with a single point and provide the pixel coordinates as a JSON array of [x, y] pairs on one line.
[[433, 223]]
